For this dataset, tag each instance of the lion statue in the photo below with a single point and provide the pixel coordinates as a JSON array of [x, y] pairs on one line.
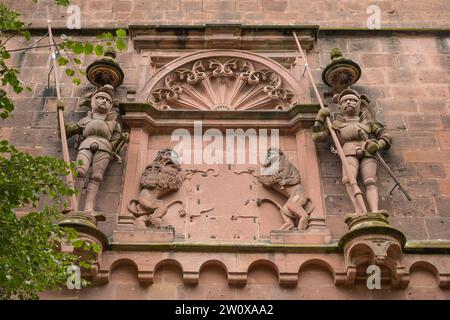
[[283, 176], [162, 176]]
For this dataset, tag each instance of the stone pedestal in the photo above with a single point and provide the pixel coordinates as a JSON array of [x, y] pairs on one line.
[[372, 241], [86, 226]]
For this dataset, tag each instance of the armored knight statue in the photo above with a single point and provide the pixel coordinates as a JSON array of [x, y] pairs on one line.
[[101, 139], [286, 180], [361, 136]]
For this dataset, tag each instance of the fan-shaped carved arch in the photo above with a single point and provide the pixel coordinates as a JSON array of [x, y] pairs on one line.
[[222, 80]]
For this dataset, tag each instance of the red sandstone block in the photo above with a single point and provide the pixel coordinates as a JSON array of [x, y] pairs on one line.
[[443, 206], [445, 187], [219, 5], [437, 90], [274, 5], [421, 156], [413, 227], [378, 60], [401, 170], [424, 122], [430, 170], [214, 292], [438, 228], [401, 75], [249, 5], [362, 45], [131, 292], [392, 120], [121, 6], [330, 170], [191, 5], [420, 43], [163, 291], [333, 186], [413, 140], [397, 205], [337, 225], [422, 187], [338, 204], [444, 140], [409, 60], [301, 6], [5, 133], [434, 106], [434, 76], [167, 5], [372, 76], [397, 105], [190, 293], [408, 92]]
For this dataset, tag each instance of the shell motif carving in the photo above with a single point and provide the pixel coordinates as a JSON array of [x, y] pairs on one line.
[[231, 84]]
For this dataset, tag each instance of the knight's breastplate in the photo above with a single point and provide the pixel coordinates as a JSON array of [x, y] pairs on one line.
[[350, 132], [97, 127], [349, 136]]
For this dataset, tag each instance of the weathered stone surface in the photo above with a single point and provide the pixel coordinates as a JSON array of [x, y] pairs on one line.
[[405, 74]]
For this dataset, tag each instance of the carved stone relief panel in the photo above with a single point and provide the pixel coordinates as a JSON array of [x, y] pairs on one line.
[[224, 80], [222, 201]]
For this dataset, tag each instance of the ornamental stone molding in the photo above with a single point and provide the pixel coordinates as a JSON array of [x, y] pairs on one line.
[[223, 80]]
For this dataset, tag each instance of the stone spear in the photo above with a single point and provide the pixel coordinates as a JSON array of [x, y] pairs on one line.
[[352, 180], [60, 110]]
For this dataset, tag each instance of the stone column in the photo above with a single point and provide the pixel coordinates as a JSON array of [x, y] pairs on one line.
[[309, 171], [136, 160]]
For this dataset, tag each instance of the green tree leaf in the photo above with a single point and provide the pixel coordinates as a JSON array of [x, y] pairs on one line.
[[120, 44], [78, 48], [99, 50], [70, 72], [88, 48], [121, 33], [62, 61]]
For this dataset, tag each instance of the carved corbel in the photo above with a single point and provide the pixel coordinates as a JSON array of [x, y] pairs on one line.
[[372, 241], [87, 232], [288, 279], [190, 278], [237, 278]]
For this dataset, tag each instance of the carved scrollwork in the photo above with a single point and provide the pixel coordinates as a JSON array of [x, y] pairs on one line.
[[222, 84]]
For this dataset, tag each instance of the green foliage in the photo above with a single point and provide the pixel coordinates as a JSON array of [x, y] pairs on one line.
[[10, 26], [74, 49], [30, 259]]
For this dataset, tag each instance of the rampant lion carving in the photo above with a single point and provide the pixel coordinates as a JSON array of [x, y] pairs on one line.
[[162, 176], [285, 179]]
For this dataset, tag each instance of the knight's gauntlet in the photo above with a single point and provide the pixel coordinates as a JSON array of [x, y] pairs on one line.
[[320, 132], [322, 114]]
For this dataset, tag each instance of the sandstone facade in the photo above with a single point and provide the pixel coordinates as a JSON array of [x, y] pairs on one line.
[[405, 71]]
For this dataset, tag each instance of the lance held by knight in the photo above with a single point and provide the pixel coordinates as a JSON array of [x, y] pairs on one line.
[[101, 140]]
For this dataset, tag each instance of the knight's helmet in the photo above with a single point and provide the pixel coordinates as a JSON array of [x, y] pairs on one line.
[[348, 93], [107, 90]]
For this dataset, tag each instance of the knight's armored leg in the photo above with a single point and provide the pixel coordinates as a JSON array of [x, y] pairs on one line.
[[353, 166], [84, 155], [369, 176], [99, 165]]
